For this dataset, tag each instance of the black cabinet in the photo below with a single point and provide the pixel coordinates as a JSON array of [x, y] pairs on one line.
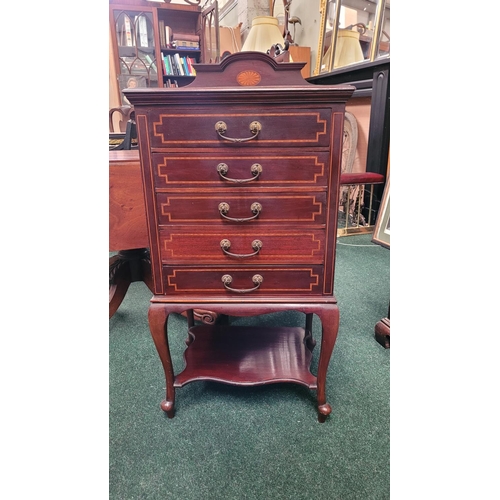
[[371, 79]]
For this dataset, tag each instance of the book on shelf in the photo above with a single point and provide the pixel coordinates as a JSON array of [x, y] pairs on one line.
[[128, 32], [161, 26], [185, 44], [168, 36], [185, 66], [163, 64], [188, 37], [190, 62], [172, 65], [166, 62], [186, 49], [180, 66], [169, 66], [143, 30]]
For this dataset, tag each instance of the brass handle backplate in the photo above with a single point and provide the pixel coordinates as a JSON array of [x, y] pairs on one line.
[[221, 128], [227, 279], [256, 208], [255, 170], [225, 244]]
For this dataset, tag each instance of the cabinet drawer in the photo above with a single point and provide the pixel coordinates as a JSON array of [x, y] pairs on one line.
[[280, 127], [248, 280], [247, 246], [228, 169], [253, 209]]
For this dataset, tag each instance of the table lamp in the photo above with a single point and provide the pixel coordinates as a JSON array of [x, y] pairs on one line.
[[263, 34], [348, 48]]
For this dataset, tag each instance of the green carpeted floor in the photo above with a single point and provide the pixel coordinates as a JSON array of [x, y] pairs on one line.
[[264, 442]]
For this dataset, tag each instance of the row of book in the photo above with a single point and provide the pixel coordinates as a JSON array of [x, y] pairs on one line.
[[126, 36], [177, 65]]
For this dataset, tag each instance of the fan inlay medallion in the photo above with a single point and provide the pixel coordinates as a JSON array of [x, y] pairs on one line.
[[248, 78]]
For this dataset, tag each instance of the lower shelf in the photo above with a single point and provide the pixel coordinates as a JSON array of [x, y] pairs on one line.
[[241, 355]]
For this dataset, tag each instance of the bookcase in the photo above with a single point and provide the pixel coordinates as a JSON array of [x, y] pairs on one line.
[[155, 44]]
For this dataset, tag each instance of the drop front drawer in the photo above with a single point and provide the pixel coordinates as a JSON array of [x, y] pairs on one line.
[[233, 281], [241, 245], [241, 128], [252, 209], [227, 169]]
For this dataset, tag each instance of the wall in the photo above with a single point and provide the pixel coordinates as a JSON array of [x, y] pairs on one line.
[[306, 33]]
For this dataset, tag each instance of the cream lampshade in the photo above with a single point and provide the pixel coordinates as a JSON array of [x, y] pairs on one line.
[[263, 34], [348, 48]]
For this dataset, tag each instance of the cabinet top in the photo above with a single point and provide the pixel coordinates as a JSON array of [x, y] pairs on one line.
[[244, 75], [134, 4]]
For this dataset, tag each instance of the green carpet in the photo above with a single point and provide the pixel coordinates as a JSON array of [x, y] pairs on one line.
[[263, 442]]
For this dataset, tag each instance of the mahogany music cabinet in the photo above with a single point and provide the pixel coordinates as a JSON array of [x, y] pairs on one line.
[[240, 172]]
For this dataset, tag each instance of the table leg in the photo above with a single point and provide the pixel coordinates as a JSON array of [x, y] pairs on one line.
[[127, 267], [135, 265]]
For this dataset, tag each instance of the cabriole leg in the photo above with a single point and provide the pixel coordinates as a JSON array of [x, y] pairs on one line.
[[330, 326], [158, 319]]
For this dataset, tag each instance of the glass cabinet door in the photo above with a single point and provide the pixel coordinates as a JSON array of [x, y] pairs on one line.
[[136, 50], [360, 28]]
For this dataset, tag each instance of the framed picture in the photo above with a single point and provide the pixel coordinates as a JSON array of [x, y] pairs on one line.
[[130, 81], [382, 232]]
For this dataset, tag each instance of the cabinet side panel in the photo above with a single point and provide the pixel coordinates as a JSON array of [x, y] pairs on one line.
[[337, 133], [149, 196]]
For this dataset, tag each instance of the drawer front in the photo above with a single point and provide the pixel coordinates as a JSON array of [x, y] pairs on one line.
[[235, 127], [238, 281], [253, 209], [236, 245], [228, 169]]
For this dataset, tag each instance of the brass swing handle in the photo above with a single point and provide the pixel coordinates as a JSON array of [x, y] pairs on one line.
[[255, 169], [227, 279], [256, 208], [221, 128], [226, 245]]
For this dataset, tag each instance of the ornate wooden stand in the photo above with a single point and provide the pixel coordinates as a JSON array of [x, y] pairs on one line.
[[240, 172]]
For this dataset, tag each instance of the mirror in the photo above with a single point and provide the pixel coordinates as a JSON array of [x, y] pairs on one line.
[[360, 28]]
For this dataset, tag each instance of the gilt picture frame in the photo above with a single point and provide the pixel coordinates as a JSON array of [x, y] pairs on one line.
[[382, 231]]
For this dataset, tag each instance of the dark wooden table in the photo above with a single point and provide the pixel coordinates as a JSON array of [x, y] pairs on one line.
[[127, 216], [127, 227], [128, 231]]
